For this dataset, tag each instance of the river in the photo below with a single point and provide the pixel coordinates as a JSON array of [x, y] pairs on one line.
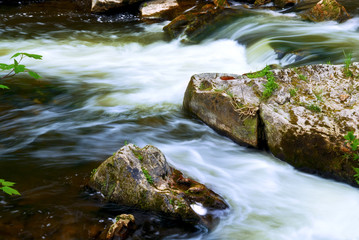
[[111, 79]]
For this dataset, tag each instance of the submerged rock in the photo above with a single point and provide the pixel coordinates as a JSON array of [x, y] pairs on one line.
[[142, 178], [122, 228], [302, 123], [326, 10]]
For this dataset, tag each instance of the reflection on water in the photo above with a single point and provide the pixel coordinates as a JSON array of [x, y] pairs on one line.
[[107, 81]]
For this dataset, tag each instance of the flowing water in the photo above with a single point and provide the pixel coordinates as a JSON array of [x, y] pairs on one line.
[[111, 79]]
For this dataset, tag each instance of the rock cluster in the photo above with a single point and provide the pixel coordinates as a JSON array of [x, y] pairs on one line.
[[303, 123]]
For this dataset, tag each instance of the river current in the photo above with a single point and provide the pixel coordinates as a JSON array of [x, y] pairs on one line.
[[110, 79]]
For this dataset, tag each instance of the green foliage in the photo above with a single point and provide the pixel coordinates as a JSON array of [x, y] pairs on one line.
[[230, 94], [353, 142], [270, 85], [117, 218], [147, 175], [347, 63], [356, 175], [34, 56], [17, 68], [260, 73], [93, 172], [6, 187], [318, 95], [314, 108], [126, 142], [138, 155], [293, 92], [303, 77]]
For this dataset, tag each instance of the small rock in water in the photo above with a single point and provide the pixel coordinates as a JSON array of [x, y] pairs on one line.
[[122, 228]]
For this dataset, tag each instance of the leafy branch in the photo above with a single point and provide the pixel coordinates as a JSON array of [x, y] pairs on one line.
[[17, 67], [353, 142], [7, 187]]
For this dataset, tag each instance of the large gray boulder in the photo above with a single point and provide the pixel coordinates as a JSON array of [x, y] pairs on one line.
[[142, 178], [302, 123]]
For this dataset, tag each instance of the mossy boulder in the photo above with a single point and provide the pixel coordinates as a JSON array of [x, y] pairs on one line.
[[142, 178], [302, 123], [326, 10]]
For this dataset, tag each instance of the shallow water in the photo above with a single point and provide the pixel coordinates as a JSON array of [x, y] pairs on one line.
[[107, 80]]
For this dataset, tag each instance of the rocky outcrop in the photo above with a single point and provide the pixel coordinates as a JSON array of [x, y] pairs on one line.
[[302, 123], [326, 10], [142, 178]]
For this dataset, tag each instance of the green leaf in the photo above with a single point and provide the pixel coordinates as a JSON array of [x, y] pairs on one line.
[[4, 66], [354, 147], [19, 68], [10, 191], [16, 55], [356, 157], [7, 184], [35, 56], [349, 136], [33, 74], [3, 87]]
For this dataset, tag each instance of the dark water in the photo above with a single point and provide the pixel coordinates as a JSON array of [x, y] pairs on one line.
[[111, 79]]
